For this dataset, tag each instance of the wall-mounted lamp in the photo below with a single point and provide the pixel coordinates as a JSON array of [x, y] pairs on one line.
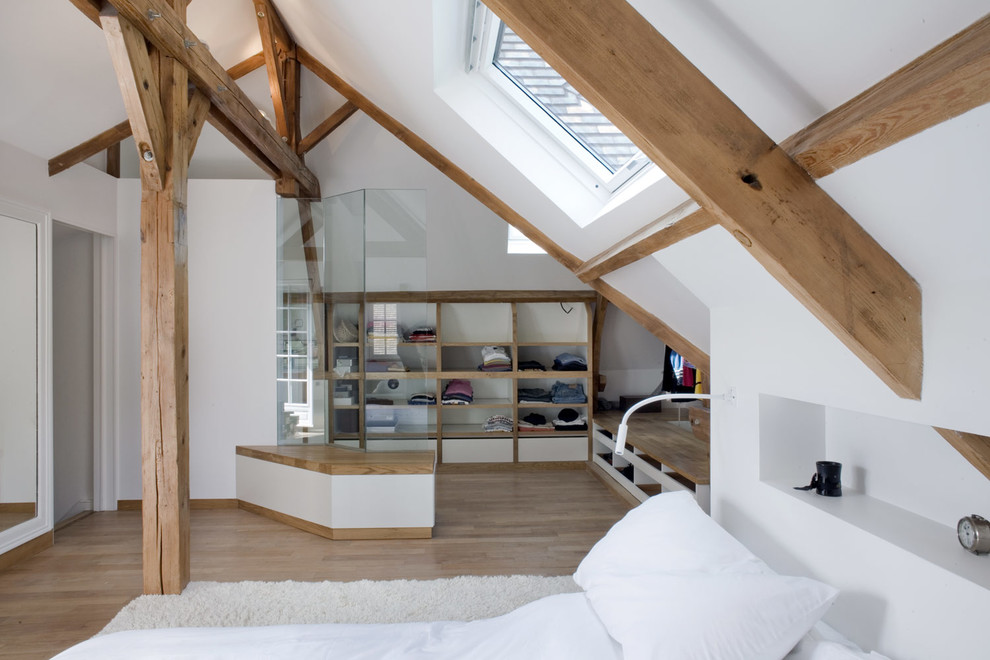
[[620, 441]]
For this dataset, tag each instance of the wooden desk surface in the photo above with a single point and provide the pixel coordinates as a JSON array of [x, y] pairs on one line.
[[671, 445], [342, 460]]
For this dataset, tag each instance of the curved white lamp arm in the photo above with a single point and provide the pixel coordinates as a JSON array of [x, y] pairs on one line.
[[620, 440]]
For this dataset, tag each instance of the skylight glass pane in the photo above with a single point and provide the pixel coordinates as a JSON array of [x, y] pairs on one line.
[[561, 101]]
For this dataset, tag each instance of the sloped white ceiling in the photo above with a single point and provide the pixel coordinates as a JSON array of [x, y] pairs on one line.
[[783, 63]]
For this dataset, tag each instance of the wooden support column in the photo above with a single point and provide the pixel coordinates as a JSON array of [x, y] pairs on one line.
[[163, 101]]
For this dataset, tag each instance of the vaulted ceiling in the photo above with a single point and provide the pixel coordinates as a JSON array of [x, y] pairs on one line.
[[783, 65]]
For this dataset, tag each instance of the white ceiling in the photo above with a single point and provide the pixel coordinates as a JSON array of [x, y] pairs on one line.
[[783, 62]]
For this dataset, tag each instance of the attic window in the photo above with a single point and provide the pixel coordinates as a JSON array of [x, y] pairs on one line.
[[566, 117]]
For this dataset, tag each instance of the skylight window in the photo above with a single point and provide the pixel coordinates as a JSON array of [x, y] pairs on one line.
[[592, 141]]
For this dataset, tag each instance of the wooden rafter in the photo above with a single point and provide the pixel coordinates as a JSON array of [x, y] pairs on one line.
[[275, 45], [712, 150], [948, 80], [164, 29], [122, 131], [945, 82], [326, 127], [90, 147], [974, 448], [438, 160], [655, 326], [684, 221]]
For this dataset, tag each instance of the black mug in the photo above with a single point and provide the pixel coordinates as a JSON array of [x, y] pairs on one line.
[[827, 480]]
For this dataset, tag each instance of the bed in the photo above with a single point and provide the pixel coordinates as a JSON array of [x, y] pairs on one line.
[[665, 582]]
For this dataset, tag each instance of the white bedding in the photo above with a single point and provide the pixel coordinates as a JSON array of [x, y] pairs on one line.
[[665, 583], [562, 626]]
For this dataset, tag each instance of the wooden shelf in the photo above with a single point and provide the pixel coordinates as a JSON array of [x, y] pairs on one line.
[[465, 322], [481, 403], [471, 431]]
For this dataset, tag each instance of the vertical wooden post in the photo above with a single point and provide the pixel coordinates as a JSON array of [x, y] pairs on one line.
[[164, 348]]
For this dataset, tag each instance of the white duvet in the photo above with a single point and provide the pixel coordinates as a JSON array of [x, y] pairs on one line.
[[562, 626]]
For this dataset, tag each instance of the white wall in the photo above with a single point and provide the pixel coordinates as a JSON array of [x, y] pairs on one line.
[[231, 234], [896, 597], [81, 196], [72, 370]]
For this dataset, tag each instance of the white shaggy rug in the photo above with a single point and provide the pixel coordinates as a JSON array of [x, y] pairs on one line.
[[465, 598]]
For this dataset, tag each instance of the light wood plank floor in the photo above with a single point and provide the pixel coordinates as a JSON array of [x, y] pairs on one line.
[[491, 523]]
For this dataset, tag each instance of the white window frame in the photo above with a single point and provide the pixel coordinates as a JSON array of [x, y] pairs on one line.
[[484, 38]]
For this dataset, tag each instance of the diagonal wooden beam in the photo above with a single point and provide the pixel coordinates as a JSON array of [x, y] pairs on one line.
[[326, 127], [274, 47], [122, 131], [438, 160], [139, 88], [711, 149], [229, 130], [948, 80], [90, 147], [199, 109], [164, 29], [683, 221], [658, 328], [974, 448]]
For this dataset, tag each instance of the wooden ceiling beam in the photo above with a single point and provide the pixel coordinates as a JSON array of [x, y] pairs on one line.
[[89, 148], [139, 89], [438, 160], [168, 32], [232, 132], [122, 131], [948, 80], [269, 25], [654, 325], [974, 448], [683, 221], [326, 127], [711, 149]]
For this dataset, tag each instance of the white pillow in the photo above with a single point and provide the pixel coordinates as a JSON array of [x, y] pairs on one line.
[[668, 532], [740, 616]]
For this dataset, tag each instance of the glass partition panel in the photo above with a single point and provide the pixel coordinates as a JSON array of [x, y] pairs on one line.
[[300, 332], [355, 264]]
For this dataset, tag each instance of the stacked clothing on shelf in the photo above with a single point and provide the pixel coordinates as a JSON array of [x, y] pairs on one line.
[[568, 393], [530, 365], [569, 420], [533, 395], [569, 362], [534, 422], [423, 399], [494, 358], [425, 335], [457, 392], [378, 401], [498, 424]]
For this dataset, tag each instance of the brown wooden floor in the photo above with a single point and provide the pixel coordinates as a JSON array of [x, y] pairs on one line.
[[491, 523]]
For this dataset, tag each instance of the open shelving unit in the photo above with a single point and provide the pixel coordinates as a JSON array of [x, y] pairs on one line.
[[383, 369]]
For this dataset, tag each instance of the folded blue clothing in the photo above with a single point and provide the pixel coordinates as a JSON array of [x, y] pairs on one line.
[[569, 362], [568, 393]]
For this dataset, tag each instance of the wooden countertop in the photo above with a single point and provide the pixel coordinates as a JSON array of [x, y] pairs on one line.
[[342, 460], [671, 445]]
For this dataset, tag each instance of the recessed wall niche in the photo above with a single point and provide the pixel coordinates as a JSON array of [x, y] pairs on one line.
[[902, 482]]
